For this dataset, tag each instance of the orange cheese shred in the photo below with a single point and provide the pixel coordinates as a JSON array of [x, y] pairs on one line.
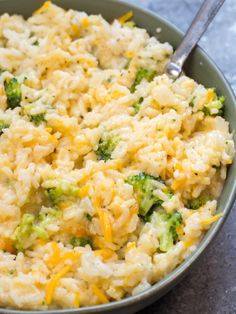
[[211, 220], [106, 254], [56, 258], [44, 7], [7, 245], [126, 17], [130, 246], [77, 300], [53, 282], [99, 294], [106, 225], [83, 192]]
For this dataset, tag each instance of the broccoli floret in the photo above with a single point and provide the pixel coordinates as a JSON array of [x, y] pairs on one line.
[[166, 225], [215, 107], [127, 64], [106, 146], [141, 75], [38, 118], [137, 105], [36, 43], [61, 193], [217, 167], [145, 185], [3, 125], [55, 195], [23, 231], [2, 70], [29, 225], [197, 202], [80, 241], [44, 219], [13, 92], [191, 104], [130, 24], [88, 216]]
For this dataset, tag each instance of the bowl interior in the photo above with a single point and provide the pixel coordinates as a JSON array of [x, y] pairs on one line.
[[201, 68]]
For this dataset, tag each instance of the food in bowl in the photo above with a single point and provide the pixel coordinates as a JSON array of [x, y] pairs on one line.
[[110, 171]]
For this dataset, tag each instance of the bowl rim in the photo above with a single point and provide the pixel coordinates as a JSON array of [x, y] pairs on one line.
[[201, 247]]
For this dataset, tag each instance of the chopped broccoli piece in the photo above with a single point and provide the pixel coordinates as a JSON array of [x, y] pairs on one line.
[[36, 43], [217, 167], [145, 185], [2, 70], [80, 241], [13, 92], [127, 64], [191, 104], [38, 118], [166, 225], [197, 202], [216, 104], [30, 226], [106, 146], [23, 231], [44, 219], [130, 24], [55, 195], [88, 216], [141, 75], [137, 105], [61, 193], [3, 125]]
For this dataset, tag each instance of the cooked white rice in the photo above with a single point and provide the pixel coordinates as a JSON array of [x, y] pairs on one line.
[[75, 72]]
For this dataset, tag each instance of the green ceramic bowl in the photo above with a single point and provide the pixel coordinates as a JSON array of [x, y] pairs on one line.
[[201, 68]]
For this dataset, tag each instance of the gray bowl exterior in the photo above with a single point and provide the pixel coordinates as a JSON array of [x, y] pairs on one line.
[[201, 68]]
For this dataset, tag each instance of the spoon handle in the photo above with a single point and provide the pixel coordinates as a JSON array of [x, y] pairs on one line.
[[200, 23]]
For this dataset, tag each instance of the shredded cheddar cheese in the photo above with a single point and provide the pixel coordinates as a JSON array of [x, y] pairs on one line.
[[97, 203], [178, 166], [210, 95], [77, 300], [41, 242], [49, 130], [211, 220], [116, 94], [130, 246], [190, 242], [129, 54], [177, 183], [126, 17], [83, 192], [180, 230], [43, 8], [85, 22], [53, 282], [99, 294], [57, 258], [106, 254], [106, 225], [75, 29], [64, 205], [79, 232], [7, 245]]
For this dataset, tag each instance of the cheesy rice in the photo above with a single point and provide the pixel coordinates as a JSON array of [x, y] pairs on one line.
[[109, 170]]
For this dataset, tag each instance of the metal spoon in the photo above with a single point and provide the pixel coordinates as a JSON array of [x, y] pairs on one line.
[[199, 25]]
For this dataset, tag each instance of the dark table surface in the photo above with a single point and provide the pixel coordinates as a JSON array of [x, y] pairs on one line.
[[211, 287]]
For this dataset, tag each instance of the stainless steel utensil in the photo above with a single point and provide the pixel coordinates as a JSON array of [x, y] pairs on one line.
[[199, 25]]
